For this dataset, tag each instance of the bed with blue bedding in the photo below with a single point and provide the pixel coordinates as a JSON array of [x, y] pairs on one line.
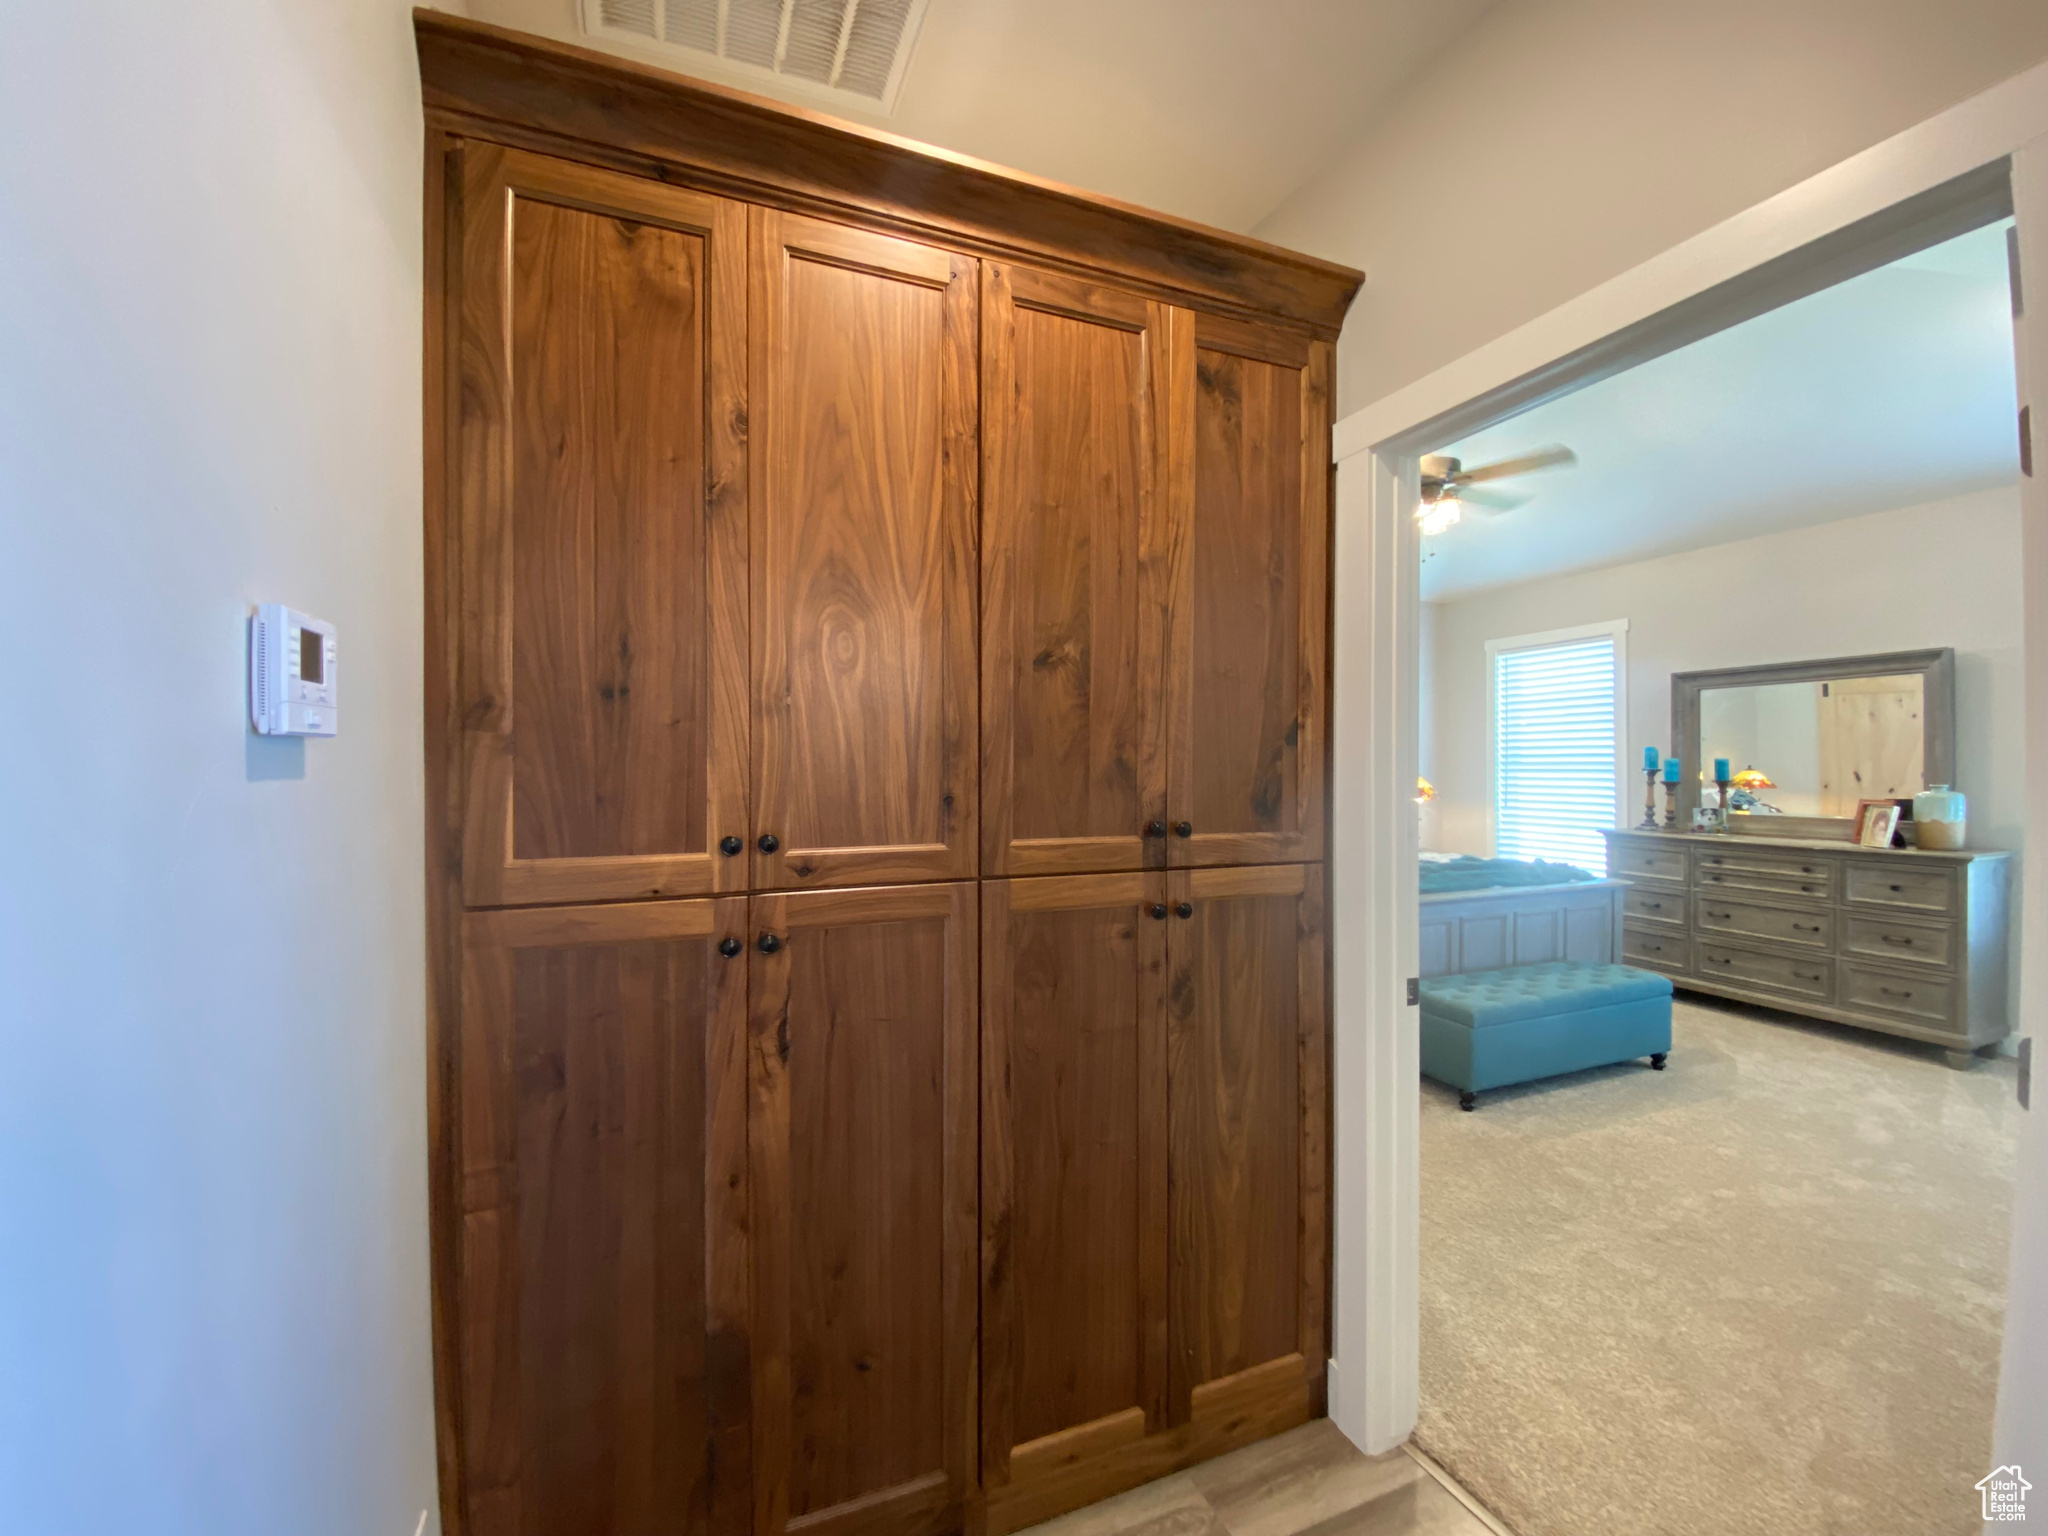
[[1487, 914], [1465, 873]]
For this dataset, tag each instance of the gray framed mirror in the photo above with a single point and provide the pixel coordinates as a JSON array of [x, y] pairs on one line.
[[1811, 738]]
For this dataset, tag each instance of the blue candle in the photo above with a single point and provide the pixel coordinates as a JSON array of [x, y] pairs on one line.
[[1651, 757], [1670, 770], [1721, 773]]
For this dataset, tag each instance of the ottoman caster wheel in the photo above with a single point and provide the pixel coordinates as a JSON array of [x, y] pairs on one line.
[[1468, 1100], [1657, 1059]]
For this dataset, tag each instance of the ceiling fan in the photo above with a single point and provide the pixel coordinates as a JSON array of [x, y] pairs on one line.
[[1447, 487]]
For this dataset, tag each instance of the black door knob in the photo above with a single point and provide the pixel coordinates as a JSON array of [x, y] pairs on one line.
[[729, 947], [770, 943], [1183, 909], [769, 842], [1159, 910], [730, 847], [1183, 829], [1155, 829]]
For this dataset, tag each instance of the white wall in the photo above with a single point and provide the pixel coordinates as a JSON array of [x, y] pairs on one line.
[[213, 1246], [1945, 574], [1586, 136]]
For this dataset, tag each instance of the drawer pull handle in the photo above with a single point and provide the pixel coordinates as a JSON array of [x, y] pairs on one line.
[[1892, 938], [1888, 992], [1804, 977], [1806, 928], [1898, 888]]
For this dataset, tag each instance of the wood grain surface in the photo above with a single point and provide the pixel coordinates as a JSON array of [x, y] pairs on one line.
[[1249, 647], [603, 498], [1074, 572], [864, 556], [1073, 1157], [862, 1155], [1244, 1011], [601, 1277]]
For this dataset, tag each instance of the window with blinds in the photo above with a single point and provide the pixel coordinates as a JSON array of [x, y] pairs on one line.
[[1556, 784]]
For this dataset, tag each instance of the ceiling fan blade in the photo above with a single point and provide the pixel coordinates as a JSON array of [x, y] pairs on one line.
[[1494, 502], [1542, 458]]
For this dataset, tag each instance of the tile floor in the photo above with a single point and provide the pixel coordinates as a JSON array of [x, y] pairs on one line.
[[1310, 1481]]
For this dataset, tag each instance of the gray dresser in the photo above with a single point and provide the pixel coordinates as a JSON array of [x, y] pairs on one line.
[[1909, 941]]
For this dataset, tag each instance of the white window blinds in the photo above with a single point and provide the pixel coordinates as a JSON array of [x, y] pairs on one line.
[[1555, 784]]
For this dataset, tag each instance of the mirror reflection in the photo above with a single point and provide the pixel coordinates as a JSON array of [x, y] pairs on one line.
[[1816, 748]]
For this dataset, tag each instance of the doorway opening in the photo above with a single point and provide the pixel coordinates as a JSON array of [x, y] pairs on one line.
[[1703, 1188]]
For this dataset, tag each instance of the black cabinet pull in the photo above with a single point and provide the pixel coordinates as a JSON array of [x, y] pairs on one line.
[[770, 943], [769, 842], [1888, 992], [1898, 888], [1158, 910], [1183, 829], [1805, 928], [1155, 829], [1893, 938], [1183, 909], [730, 847], [729, 947]]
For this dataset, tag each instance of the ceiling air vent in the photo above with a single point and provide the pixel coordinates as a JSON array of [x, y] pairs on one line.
[[849, 51]]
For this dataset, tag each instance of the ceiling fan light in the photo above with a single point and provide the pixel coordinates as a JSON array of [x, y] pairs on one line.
[[1438, 516]]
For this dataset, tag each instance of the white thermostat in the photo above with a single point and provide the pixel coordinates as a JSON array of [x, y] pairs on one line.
[[292, 673]]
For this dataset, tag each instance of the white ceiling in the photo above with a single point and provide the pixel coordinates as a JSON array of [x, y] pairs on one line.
[[1890, 390], [1213, 110]]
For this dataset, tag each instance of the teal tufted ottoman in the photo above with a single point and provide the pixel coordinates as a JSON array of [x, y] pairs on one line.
[[1488, 1029]]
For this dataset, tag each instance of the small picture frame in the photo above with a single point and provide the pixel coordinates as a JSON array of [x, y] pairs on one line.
[[1876, 821]]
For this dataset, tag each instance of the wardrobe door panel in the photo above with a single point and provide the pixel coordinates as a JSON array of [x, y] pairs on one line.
[[862, 1147], [1247, 1133], [1249, 625], [602, 1263], [601, 496], [865, 459], [1073, 1157], [1073, 576]]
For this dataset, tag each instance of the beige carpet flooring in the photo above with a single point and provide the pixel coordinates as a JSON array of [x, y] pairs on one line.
[[1759, 1292]]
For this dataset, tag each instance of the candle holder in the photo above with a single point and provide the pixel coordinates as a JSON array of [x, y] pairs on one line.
[[1722, 822], [1670, 806], [1649, 821]]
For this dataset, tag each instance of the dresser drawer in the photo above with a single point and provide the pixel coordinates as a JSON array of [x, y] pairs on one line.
[[1796, 976], [1922, 999], [1638, 861], [1653, 904], [1763, 882], [1798, 874], [1918, 890], [1891, 938], [1781, 925], [1656, 949]]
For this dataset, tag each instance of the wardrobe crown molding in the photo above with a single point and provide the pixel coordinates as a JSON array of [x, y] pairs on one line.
[[529, 92]]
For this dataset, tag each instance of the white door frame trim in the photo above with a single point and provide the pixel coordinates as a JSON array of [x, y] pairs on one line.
[[1975, 161]]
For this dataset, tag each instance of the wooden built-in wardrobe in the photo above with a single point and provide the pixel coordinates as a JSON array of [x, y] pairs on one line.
[[877, 730]]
